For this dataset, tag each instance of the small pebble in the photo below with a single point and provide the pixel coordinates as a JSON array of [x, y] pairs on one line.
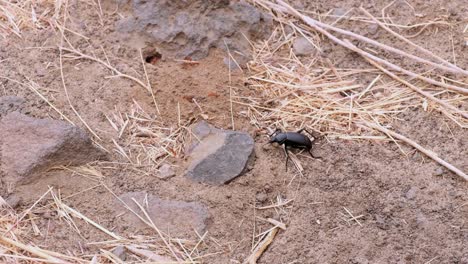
[[14, 201], [47, 215], [339, 12], [231, 64], [261, 197], [119, 252], [439, 171], [302, 47], [166, 171], [421, 220], [267, 147], [381, 222], [411, 193], [372, 28]]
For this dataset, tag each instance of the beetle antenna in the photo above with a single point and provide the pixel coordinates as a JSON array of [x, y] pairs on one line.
[[278, 130]]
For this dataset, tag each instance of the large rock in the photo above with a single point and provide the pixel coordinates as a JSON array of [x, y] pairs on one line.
[[10, 104], [219, 156], [189, 28], [28, 146], [177, 218]]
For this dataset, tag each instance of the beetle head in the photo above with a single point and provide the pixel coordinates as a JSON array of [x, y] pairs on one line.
[[278, 130], [273, 135], [277, 137]]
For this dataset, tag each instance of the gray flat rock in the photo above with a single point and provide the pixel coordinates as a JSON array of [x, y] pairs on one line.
[[176, 218], [220, 156]]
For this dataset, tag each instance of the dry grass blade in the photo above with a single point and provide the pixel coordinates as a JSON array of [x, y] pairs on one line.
[[315, 94], [15, 18], [310, 22], [168, 243], [150, 222], [149, 255], [68, 210], [68, 97], [311, 92], [421, 49], [35, 88], [33, 250], [86, 171], [317, 24], [423, 93], [144, 140], [81, 55], [429, 153], [148, 83], [13, 227], [262, 246]]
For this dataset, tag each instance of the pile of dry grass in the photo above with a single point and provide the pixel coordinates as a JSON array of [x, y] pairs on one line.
[[311, 92], [18, 15], [148, 141], [143, 140]]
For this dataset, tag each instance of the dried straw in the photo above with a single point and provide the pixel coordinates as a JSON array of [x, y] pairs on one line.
[[311, 92]]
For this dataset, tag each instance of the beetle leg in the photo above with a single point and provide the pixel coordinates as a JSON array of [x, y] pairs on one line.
[[308, 132], [287, 156], [312, 155]]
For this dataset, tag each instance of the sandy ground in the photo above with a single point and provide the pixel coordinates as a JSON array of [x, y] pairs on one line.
[[406, 208]]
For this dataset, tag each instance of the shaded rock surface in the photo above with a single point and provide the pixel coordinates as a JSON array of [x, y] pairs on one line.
[[183, 28], [177, 218], [29, 146], [220, 156]]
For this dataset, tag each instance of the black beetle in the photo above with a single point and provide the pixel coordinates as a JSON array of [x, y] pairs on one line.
[[292, 140]]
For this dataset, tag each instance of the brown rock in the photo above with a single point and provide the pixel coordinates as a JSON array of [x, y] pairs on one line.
[[177, 218], [29, 146]]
